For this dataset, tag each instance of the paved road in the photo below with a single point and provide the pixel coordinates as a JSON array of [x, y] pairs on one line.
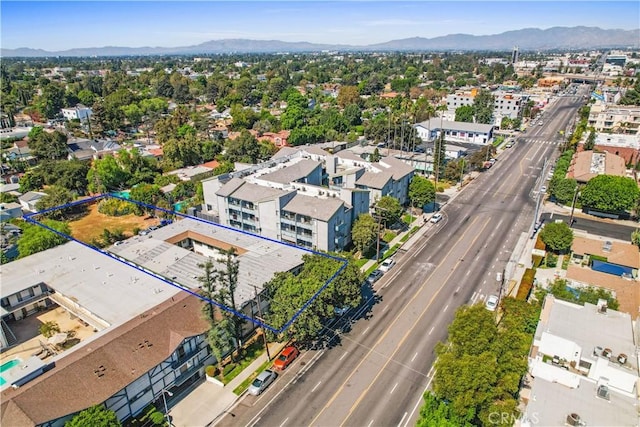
[[376, 372], [600, 227]]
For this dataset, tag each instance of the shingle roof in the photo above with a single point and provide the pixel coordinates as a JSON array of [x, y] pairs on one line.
[[284, 152], [397, 167], [249, 192], [374, 180], [31, 196], [315, 207], [125, 354], [292, 172]]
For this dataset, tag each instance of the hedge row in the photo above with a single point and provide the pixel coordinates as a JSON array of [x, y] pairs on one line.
[[526, 284], [115, 207]]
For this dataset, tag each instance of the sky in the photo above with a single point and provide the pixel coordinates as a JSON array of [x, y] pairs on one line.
[[54, 25]]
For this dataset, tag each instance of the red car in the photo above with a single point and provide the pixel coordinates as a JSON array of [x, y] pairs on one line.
[[286, 357]]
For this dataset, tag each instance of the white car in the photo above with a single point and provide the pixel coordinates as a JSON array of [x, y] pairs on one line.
[[492, 303], [262, 381], [543, 189], [436, 218], [386, 265]]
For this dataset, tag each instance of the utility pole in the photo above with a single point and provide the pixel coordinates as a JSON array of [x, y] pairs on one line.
[[573, 204]]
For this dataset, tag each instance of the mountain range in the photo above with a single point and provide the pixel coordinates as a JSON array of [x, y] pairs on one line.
[[527, 39]]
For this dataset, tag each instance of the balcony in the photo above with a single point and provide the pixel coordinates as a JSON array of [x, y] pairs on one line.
[[182, 360]]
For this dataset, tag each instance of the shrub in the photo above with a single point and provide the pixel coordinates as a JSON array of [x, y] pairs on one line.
[[526, 284], [536, 260], [551, 260], [540, 244], [597, 258], [210, 370], [115, 207]]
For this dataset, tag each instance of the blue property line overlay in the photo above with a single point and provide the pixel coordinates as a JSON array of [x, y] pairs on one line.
[[30, 218]]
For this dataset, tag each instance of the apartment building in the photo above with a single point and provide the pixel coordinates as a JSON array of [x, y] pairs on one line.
[[506, 104], [455, 132], [615, 118], [305, 196], [583, 367]]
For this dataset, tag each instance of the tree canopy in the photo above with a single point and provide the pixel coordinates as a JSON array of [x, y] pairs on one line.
[[364, 232], [96, 416], [37, 239], [389, 208], [558, 236], [421, 191], [610, 193]]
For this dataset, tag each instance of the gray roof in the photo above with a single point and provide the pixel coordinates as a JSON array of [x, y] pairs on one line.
[[229, 187], [251, 192], [374, 180], [550, 403], [292, 172], [314, 207], [350, 155], [284, 152], [434, 123], [589, 329], [315, 149], [31, 196], [5, 188], [397, 167]]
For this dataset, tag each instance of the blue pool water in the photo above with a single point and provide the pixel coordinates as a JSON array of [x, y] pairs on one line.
[[123, 194], [177, 207], [8, 365]]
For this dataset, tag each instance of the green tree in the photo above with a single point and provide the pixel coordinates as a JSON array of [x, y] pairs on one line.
[[610, 193], [561, 290], [348, 95], [591, 140], [464, 113], [107, 175], [364, 232], [246, 149], [389, 208], [635, 237], [49, 329], [149, 194], [56, 196], [483, 107], [436, 412], [558, 236], [45, 145], [563, 190], [421, 191], [37, 239], [96, 416], [227, 281], [31, 180], [375, 156]]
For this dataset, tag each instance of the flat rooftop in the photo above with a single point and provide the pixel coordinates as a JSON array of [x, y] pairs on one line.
[[550, 403]]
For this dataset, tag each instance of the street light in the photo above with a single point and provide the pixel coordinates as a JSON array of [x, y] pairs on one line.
[[166, 409], [576, 193], [259, 317]]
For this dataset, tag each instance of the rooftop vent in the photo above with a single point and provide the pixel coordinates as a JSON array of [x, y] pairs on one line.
[[607, 353], [606, 247], [603, 392], [602, 306], [622, 358], [574, 420]]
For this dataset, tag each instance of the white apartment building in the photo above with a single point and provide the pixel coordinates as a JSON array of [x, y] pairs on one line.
[[506, 104], [583, 365], [615, 118], [455, 132], [79, 112]]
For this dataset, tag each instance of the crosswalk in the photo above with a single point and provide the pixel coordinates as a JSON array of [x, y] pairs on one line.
[[536, 141]]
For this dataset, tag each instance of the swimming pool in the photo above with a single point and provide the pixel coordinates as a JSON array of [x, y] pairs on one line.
[[8, 365]]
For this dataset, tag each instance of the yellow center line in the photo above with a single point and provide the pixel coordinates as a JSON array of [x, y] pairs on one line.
[[342, 386], [406, 335]]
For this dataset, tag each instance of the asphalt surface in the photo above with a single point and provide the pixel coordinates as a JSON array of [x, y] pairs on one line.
[[378, 367], [600, 227]]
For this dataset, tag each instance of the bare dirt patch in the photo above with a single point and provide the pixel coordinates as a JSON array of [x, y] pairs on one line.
[[91, 226]]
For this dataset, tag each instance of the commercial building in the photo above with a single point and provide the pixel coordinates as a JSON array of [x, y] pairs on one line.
[[583, 366], [615, 119]]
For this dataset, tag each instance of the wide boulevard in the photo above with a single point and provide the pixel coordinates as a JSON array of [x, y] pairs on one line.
[[379, 367]]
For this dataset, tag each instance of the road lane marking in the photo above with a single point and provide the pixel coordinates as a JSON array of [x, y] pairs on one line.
[[370, 424], [365, 331], [402, 419], [342, 357], [398, 316], [468, 273], [414, 356], [284, 422], [432, 328], [445, 309], [393, 389], [316, 386]]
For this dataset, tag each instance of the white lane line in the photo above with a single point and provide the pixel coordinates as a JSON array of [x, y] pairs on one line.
[[414, 357], [284, 422], [402, 289], [403, 417], [365, 331], [445, 309], [370, 424], [316, 386], [432, 328], [342, 357], [468, 273], [393, 389], [457, 289]]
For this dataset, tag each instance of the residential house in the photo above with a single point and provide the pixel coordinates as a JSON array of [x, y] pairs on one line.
[[9, 211], [623, 145], [79, 112], [583, 367], [30, 199], [91, 149], [609, 264]]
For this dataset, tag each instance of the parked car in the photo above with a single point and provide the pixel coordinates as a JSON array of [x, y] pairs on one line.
[[374, 276], [262, 381], [543, 189], [341, 311], [286, 357], [387, 264], [492, 303], [436, 218], [509, 144]]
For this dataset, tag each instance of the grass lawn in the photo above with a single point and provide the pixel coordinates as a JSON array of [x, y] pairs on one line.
[[245, 384], [90, 226], [360, 262], [388, 236]]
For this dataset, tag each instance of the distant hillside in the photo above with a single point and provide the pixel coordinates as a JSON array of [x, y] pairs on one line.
[[562, 38]]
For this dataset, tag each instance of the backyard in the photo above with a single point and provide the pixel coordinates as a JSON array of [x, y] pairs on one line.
[[90, 227]]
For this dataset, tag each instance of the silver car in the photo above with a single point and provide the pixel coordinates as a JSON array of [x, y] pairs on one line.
[[262, 381]]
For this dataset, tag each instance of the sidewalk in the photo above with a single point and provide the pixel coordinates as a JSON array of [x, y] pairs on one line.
[[208, 402]]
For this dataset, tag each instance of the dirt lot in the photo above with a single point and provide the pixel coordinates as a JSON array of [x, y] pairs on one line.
[[90, 226]]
